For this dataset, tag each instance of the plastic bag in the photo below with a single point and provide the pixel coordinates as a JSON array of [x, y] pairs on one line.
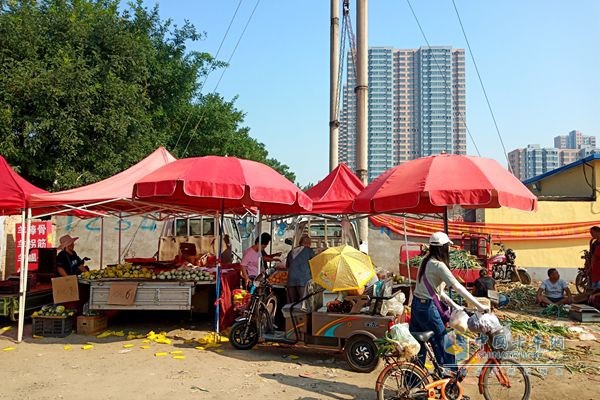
[[489, 323], [394, 306], [408, 346], [459, 320], [483, 323]]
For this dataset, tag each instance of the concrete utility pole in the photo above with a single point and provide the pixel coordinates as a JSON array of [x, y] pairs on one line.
[[334, 57], [362, 111]]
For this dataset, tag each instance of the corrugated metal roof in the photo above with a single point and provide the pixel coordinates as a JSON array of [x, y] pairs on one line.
[[561, 169]]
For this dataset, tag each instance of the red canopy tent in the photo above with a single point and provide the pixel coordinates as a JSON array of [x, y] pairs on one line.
[[14, 190], [111, 195], [14, 193], [336, 192]]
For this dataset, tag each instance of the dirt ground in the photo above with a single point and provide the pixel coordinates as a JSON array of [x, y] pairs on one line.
[[43, 368]]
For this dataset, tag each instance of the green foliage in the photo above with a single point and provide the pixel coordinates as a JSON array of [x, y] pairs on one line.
[[87, 90]]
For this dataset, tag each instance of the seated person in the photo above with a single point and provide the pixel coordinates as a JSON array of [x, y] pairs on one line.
[[594, 299], [553, 290], [485, 283], [67, 261]]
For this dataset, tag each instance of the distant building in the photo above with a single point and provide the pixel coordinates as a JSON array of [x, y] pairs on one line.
[[416, 106], [533, 160], [574, 140]]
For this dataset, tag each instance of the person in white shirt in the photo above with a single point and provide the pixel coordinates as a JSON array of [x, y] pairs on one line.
[[425, 314], [553, 290]]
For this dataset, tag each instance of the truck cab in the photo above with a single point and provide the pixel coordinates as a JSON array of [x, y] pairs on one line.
[[326, 232], [200, 230]]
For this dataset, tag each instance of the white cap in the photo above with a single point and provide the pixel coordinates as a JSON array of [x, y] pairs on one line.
[[439, 239]]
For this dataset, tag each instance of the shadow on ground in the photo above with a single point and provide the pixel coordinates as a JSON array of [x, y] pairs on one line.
[[321, 387]]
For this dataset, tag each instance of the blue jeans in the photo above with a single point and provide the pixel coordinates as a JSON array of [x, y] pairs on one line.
[[426, 317], [502, 300]]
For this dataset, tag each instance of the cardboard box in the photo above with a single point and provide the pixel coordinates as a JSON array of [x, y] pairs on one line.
[[91, 325]]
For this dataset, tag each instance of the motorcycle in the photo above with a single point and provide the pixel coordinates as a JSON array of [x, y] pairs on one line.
[[583, 283], [502, 267]]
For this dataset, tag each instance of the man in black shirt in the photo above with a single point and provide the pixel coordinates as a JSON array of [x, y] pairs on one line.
[[67, 261], [485, 283]]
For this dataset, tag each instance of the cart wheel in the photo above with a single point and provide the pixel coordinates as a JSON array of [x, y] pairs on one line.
[[361, 353], [242, 338], [523, 277], [13, 310]]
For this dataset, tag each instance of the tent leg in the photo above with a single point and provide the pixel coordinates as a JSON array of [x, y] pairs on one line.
[[26, 230]]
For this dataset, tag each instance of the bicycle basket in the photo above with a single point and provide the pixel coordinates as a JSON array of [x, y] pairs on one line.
[[501, 340]]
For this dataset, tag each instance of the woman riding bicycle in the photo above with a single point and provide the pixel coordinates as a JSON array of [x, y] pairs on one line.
[[426, 312]]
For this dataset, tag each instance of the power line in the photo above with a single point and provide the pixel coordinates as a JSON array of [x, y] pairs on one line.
[[443, 76], [482, 86], [223, 73], [236, 45], [211, 69]]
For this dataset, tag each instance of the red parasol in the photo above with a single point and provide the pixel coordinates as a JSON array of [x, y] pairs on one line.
[[430, 184], [214, 183]]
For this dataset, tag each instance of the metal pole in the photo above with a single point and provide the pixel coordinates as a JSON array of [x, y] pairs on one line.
[[24, 270], [218, 288], [21, 280], [101, 241], [362, 112], [334, 62]]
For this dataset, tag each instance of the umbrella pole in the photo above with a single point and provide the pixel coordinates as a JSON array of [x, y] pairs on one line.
[[407, 262], [101, 241], [446, 220], [259, 243], [218, 288]]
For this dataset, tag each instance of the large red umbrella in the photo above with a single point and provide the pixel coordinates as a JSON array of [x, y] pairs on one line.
[[225, 184], [214, 183], [430, 184]]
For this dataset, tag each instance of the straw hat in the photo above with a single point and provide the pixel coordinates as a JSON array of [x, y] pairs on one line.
[[66, 240]]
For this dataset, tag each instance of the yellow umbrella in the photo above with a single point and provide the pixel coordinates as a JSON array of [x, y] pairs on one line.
[[341, 268]]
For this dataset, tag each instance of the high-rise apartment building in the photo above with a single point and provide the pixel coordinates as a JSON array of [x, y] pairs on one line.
[[416, 106], [574, 140], [534, 160]]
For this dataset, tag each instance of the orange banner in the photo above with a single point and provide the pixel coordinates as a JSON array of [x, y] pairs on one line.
[[504, 232]]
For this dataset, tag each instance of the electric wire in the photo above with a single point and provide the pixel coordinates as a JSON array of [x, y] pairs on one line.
[[464, 122], [211, 69], [223, 73], [482, 85]]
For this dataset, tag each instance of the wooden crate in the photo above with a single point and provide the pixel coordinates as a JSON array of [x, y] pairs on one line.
[[91, 325]]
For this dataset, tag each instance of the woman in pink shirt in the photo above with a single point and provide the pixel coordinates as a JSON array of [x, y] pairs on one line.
[[249, 263]]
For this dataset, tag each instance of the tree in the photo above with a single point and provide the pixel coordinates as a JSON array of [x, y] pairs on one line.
[[216, 130], [87, 90]]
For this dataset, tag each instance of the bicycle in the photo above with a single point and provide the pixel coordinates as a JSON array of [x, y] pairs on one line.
[[583, 283], [401, 380]]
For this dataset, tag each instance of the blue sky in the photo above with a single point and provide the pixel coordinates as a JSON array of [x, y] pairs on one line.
[[539, 61]]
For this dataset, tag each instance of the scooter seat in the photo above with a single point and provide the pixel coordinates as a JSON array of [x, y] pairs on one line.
[[422, 337]]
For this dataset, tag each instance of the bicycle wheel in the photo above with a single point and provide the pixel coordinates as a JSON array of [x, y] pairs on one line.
[[396, 381], [581, 282], [505, 379]]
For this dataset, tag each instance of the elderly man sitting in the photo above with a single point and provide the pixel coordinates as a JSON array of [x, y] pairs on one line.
[[553, 290]]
